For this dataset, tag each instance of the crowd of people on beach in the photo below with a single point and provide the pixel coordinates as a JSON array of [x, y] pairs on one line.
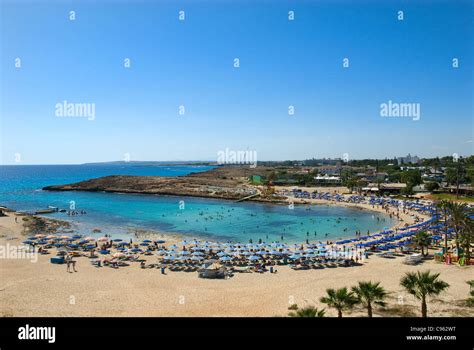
[[258, 257]]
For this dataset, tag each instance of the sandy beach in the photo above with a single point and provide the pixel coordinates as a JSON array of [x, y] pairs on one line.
[[43, 289], [404, 218]]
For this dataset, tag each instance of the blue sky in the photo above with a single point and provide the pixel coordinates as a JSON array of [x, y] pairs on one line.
[[190, 63]]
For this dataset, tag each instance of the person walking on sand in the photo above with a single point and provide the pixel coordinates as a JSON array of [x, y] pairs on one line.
[[68, 262], [73, 262]]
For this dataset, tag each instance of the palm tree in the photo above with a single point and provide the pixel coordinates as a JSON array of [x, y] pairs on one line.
[[467, 237], [470, 300], [340, 299], [422, 240], [422, 285], [443, 207], [369, 293], [309, 311], [458, 214]]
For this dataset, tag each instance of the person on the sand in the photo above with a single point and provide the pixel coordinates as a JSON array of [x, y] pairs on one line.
[[73, 262], [68, 259]]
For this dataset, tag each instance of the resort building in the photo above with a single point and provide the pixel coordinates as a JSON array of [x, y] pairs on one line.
[[419, 189], [327, 180], [384, 188], [329, 170], [463, 189]]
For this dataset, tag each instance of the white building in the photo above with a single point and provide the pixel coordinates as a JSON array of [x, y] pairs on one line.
[[326, 179]]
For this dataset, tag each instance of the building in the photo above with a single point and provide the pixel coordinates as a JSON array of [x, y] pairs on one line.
[[328, 170], [327, 180], [385, 188], [463, 189], [409, 159], [420, 189]]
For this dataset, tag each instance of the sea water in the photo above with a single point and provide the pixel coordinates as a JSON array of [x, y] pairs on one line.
[[119, 214]]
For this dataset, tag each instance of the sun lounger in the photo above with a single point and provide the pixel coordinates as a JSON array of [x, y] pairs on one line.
[[57, 260]]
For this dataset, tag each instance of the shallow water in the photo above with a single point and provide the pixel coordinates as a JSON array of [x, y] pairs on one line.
[[117, 214]]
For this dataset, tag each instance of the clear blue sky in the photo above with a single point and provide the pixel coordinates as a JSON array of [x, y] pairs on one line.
[[190, 63]]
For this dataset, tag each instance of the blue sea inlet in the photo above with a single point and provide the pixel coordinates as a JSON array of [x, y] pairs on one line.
[[119, 214]]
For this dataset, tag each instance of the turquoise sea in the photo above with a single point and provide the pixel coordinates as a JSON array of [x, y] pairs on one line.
[[117, 214]]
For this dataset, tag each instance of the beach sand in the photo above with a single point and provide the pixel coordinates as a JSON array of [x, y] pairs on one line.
[[44, 289]]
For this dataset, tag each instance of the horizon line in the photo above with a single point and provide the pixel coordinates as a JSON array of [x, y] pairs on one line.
[[213, 161]]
